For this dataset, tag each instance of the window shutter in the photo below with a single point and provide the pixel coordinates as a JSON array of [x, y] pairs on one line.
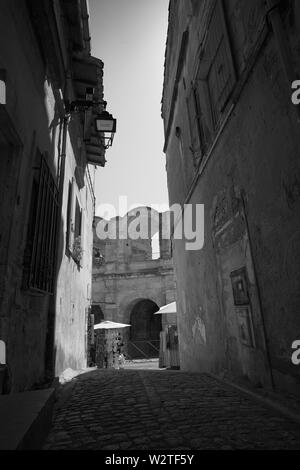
[[221, 75], [69, 216], [194, 120], [214, 83], [205, 119], [195, 6], [77, 220], [80, 223]]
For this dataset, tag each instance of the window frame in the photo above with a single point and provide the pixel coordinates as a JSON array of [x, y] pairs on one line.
[[208, 123], [40, 252], [69, 231], [218, 13], [74, 224]]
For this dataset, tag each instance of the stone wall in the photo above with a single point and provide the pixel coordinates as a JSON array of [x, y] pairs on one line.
[[247, 178], [31, 122], [128, 275], [74, 283]]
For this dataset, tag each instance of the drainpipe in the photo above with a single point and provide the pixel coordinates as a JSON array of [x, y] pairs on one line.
[[273, 14]]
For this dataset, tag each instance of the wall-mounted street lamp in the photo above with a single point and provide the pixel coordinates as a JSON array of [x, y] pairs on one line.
[[107, 126], [105, 123]]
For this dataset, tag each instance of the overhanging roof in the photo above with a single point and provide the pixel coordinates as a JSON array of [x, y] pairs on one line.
[[88, 72]]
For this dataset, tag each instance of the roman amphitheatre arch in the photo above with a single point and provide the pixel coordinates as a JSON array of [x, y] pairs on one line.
[[129, 285]]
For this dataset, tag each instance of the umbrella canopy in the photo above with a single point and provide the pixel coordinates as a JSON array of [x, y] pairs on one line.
[[109, 325], [169, 308]]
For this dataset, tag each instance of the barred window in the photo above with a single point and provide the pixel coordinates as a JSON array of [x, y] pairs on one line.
[[39, 262]]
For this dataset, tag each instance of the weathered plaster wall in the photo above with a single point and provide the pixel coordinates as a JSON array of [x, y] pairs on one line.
[[74, 283], [23, 319], [30, 112], [256, 156]]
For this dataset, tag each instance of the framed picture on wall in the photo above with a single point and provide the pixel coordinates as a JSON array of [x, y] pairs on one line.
[[245, 326], [239, 282]]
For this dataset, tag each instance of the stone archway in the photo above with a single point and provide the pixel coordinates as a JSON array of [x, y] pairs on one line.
[[96, 310], [145, 330]]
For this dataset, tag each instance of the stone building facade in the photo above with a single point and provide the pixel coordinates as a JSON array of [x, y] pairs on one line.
[[46, 191], [130, 282], [232, 143]]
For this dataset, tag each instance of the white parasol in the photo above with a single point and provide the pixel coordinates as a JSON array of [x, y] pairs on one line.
[[169, 308], [109, 325]]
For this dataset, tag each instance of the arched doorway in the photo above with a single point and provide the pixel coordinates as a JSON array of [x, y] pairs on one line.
[[144, 331], [96, 310]]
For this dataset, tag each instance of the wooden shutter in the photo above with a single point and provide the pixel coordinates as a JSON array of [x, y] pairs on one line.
[[69, 216], [221, 75], [77, 231], [194, 121], [205, 118]]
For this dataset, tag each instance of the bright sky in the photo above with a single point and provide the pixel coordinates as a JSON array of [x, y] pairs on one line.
[[130, 36]]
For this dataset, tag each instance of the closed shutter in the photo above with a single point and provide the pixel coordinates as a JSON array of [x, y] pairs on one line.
[[221, 75], [194, 121], [77, 220], [69, 216], [205, 118], [195, 6]]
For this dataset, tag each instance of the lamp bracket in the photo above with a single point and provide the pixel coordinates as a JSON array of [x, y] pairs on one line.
[[82, 105]]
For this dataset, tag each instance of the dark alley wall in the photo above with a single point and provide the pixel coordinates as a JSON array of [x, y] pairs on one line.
[[43, 324], [246, 172]]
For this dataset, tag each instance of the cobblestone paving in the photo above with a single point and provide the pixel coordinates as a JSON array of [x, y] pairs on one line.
[[170, 410]]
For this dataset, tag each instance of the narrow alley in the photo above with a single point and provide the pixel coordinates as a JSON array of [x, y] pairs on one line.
[[149, 226], [156, 409]]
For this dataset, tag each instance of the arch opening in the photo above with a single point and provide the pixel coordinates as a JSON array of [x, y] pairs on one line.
[[98, 315], [145, 330]]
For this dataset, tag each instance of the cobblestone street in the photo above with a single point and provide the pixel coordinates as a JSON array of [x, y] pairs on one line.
[[171, 410]]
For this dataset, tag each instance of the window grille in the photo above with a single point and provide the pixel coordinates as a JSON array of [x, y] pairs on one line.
[[41, 240]]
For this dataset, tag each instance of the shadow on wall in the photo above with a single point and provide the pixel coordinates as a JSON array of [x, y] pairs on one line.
[[24, 319]]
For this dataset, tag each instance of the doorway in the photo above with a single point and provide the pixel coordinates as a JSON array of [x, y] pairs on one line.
[[145, 330]]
